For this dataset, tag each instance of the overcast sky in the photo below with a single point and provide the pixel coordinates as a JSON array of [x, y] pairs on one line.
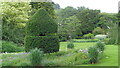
[[109, 6]]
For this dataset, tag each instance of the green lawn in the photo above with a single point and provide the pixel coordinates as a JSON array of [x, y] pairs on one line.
[[111, 53], [63, 45]]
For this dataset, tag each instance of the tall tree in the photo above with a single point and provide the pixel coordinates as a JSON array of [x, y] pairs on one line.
[[88, 19], [14, 16]]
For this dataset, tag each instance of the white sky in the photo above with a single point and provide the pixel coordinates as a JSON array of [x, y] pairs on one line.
[[108, 6]]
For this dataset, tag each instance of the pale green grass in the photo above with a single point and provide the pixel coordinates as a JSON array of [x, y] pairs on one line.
[[63, 45]]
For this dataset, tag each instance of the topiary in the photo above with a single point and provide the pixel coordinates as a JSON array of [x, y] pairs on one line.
[[41, 24], [41, 32]]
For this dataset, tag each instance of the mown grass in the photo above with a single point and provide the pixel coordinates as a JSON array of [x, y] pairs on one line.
[[111, 53], [63, 45]]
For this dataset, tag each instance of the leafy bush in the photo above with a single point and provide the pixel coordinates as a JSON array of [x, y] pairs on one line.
[[98, 30], [36, 57], [10, 47], [41, 30], [70, 45], [48, 44], [100, 46], [93, 54], [88, 36]]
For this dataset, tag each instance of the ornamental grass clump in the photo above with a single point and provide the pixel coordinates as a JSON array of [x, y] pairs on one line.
[[36, 57], [93, 54]]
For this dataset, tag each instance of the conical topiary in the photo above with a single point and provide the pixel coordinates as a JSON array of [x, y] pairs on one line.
[[40, 32], [41, 24]]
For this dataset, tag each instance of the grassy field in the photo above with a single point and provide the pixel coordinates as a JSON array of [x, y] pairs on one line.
[[111, 53]]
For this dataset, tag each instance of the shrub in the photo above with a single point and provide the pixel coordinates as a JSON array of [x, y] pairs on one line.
[[41, 24], [36, 57], [10, 47], [98, 30], [100, 46], [70, 45], [88, 36], [48, 44], [93, 54], [41, 30]]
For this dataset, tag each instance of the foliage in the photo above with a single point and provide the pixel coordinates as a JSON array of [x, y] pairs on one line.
[[88, 19], [98, 30], [88, 36], [41, 30], [106, 20], [36, 57], [93, 54], [10, 47], [63, 36], [106, 41], [14, 16], [100, 46], [41, 24], [68, 28], [70, 45], [48, 6], [47, 43], [67, 12], [118, 39]]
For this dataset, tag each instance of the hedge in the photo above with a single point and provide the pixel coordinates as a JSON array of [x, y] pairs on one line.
[[49, 44]]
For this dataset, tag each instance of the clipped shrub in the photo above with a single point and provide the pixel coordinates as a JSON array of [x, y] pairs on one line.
[[100, 46], [36, 57], [93, 54], [10, 47], [41, 24], [48, 44], [41, 32], [88, 36], [70, 45]]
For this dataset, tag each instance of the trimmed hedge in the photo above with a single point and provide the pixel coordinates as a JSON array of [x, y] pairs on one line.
[[49, 44], [41, 24]]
